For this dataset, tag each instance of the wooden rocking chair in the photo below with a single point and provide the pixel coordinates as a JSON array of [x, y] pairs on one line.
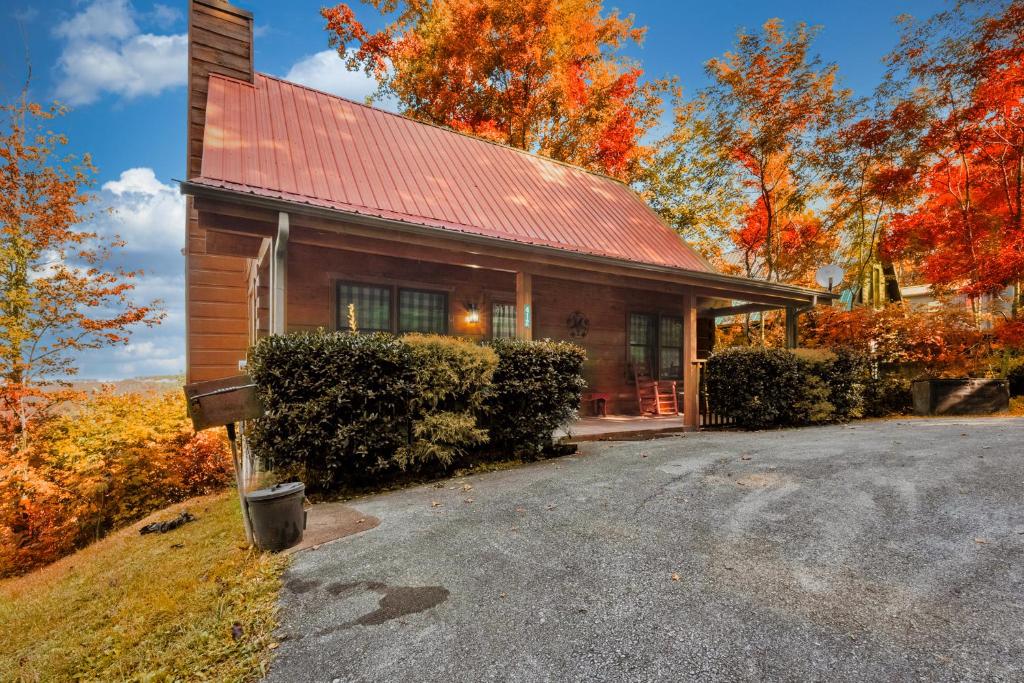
[[654, 397]]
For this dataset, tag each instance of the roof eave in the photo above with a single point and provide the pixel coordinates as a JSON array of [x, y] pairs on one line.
[[798, 294]]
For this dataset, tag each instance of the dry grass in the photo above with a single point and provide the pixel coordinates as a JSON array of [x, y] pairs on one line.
[[144, 608]]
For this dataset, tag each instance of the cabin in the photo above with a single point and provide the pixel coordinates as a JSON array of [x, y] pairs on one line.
[[303, 206]]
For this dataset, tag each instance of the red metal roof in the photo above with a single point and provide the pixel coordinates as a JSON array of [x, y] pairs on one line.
[[276, 139]]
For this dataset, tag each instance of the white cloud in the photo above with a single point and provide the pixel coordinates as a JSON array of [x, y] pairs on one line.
[[102, 19], [105, 52], [326, 71], [147, 214], [164, 15]]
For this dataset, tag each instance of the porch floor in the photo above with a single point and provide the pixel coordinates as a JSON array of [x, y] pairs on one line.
[[621, 427]]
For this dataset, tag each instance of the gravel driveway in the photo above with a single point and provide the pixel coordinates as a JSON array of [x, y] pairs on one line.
[[884, 551]]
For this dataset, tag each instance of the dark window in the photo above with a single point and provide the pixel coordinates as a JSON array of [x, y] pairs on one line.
[[503, 320], [656, 345], [670, 354], [422, 311], [372, 306], [643, 342]]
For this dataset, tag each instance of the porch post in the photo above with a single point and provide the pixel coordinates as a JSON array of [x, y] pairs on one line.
[[792, 318], [691, 371], [524, 306], [279, 278]]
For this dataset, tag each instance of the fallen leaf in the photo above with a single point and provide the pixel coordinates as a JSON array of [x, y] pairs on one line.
[[981, 541], [675, 577], [273, 646], [469, 500], [467, 487], [502, 595], [434, 503]]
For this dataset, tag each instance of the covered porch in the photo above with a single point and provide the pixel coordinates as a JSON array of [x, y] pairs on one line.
[[305, 266]]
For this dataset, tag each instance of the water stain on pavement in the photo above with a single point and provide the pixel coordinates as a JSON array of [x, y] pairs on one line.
[[398, 601], [301, 585], [395, 601]]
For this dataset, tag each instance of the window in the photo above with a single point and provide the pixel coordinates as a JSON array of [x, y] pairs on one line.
[[670, 358], [643, 342], [372, 307], [656, 345], [503, 320], [422, 311]]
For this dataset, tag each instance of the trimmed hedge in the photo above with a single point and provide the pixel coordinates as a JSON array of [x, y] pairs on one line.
[[761, 387], [338, 405], [754, 386], [887, 395], [347, 409], [1015, 375], [537, 389], [452, 381]]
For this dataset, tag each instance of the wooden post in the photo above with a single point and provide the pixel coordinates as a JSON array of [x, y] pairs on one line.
[[524, 306], [691, 370], [279, 278], [792, 318]]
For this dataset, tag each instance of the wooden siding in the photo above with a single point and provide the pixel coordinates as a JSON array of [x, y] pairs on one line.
[[607, 308], [216, 297]]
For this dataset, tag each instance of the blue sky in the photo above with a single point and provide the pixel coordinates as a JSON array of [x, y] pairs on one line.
[[120, 64]]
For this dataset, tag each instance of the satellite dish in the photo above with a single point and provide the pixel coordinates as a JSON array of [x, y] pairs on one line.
[[829, 276]]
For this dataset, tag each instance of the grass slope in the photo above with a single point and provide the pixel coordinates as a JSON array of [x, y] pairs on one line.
[[147, 608]]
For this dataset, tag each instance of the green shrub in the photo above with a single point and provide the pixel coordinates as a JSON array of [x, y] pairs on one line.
[[887, 395], [1015, 375], [845, 373], [339, 405], [756, 387], [452, 381], [761, 387], [537, 389]]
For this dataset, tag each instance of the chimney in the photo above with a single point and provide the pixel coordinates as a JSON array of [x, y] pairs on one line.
[[219, 41]]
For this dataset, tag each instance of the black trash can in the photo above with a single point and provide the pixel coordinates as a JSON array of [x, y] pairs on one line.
[[277, 515]]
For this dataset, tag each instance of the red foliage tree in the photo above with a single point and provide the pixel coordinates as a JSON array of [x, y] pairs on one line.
[[966, 231]]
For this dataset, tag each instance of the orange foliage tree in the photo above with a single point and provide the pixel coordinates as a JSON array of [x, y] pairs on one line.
[[939, 342], [57, 297], [102, 464], [963, 72], [770, 103], [542, 75]]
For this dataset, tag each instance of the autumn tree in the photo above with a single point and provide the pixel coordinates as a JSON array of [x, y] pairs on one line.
[[57, 295], [687, 181], [963, 71], [542, 75], [770, 104], [869, 169]]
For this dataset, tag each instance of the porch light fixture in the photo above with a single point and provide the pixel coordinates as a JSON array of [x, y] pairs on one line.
[[472, 314]]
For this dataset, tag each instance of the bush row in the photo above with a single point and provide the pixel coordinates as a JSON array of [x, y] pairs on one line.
[[348, 409], [761, 387]]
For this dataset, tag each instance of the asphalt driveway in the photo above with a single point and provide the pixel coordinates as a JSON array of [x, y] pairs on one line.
[[886, 550]]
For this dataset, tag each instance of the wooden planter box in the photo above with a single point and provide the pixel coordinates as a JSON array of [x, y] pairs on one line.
[[960, 396]]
